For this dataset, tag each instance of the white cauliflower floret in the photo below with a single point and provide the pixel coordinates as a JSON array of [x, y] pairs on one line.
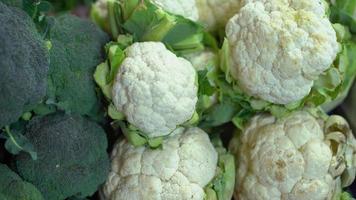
[[185, 8], [155, 89], [202, 60], [292, 158], [279, 48], [214, 14], [102, 8], [179, 171]]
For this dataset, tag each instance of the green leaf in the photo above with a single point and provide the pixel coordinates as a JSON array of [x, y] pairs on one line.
[[16, 142], [101, 73], [205, 88], [132, 135], [344, 11], [148, 22], [224, 181], [44, 109], [116, 56], [219, 114], [114, 113], [155, 143]]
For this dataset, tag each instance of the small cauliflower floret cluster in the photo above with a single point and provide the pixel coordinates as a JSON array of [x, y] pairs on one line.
[[279, 48], [155, 89], [214, 14], [185, 8], [297, 157], [179, 171]]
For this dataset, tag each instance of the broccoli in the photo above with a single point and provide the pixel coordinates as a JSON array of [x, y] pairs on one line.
[[15, 3], [75, 53], [72, 158], [23, 64], [12, 187]]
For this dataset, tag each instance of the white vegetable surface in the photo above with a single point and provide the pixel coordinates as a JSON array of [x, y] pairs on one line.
[[279, 48], [185, 8], [214, 14], [155, 89], [298, 157], [179, 171]]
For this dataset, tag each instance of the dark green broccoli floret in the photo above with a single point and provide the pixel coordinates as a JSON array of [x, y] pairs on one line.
[[12, 187], [16, 3], [23, 64], [77, 47], [72, 158]]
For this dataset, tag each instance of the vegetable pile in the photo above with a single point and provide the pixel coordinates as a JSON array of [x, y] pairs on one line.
[[177, 99]]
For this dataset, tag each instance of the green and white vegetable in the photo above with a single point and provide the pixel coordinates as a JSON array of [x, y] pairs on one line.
[[279, 56], [302, 156], [214, 14], [150, 87], [188, 166], [171, 22]]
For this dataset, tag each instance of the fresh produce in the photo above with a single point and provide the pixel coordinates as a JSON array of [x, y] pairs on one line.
[[23, 65], [76, 50], [185, 168], [301, 156], [72, 160], [214, 14], [12, 187], [147, 21], [283, 57], [150, 87], [193, 99]]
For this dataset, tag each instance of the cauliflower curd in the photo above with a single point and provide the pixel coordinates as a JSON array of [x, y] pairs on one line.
[[215, 13], [185, 8], [179, 171], [155, 89], [298, 157], [279, 48]]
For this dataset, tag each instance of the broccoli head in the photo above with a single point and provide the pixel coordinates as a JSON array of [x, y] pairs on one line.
[[23, 64], [15, 3], [12, 187], [77, 46], [72, 158]]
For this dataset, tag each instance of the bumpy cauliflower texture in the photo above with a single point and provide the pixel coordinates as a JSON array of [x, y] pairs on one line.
[[297, 157], [214, 14], [179, 171], [155, 89], [202, 60], [185, 8], [279, 47]]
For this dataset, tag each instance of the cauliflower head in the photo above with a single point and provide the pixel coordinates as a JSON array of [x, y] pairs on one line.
[[202, 60], [185, 8], [297, 157], [215, 14], [155, 89], [279, 48], [181, 169]]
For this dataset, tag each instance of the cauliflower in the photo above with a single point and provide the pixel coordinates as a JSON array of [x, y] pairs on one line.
[[297, 157], [202, 60], [155, 89], [181, 169], [185, 8], [172, 22], [279, 48], [214, 14]]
